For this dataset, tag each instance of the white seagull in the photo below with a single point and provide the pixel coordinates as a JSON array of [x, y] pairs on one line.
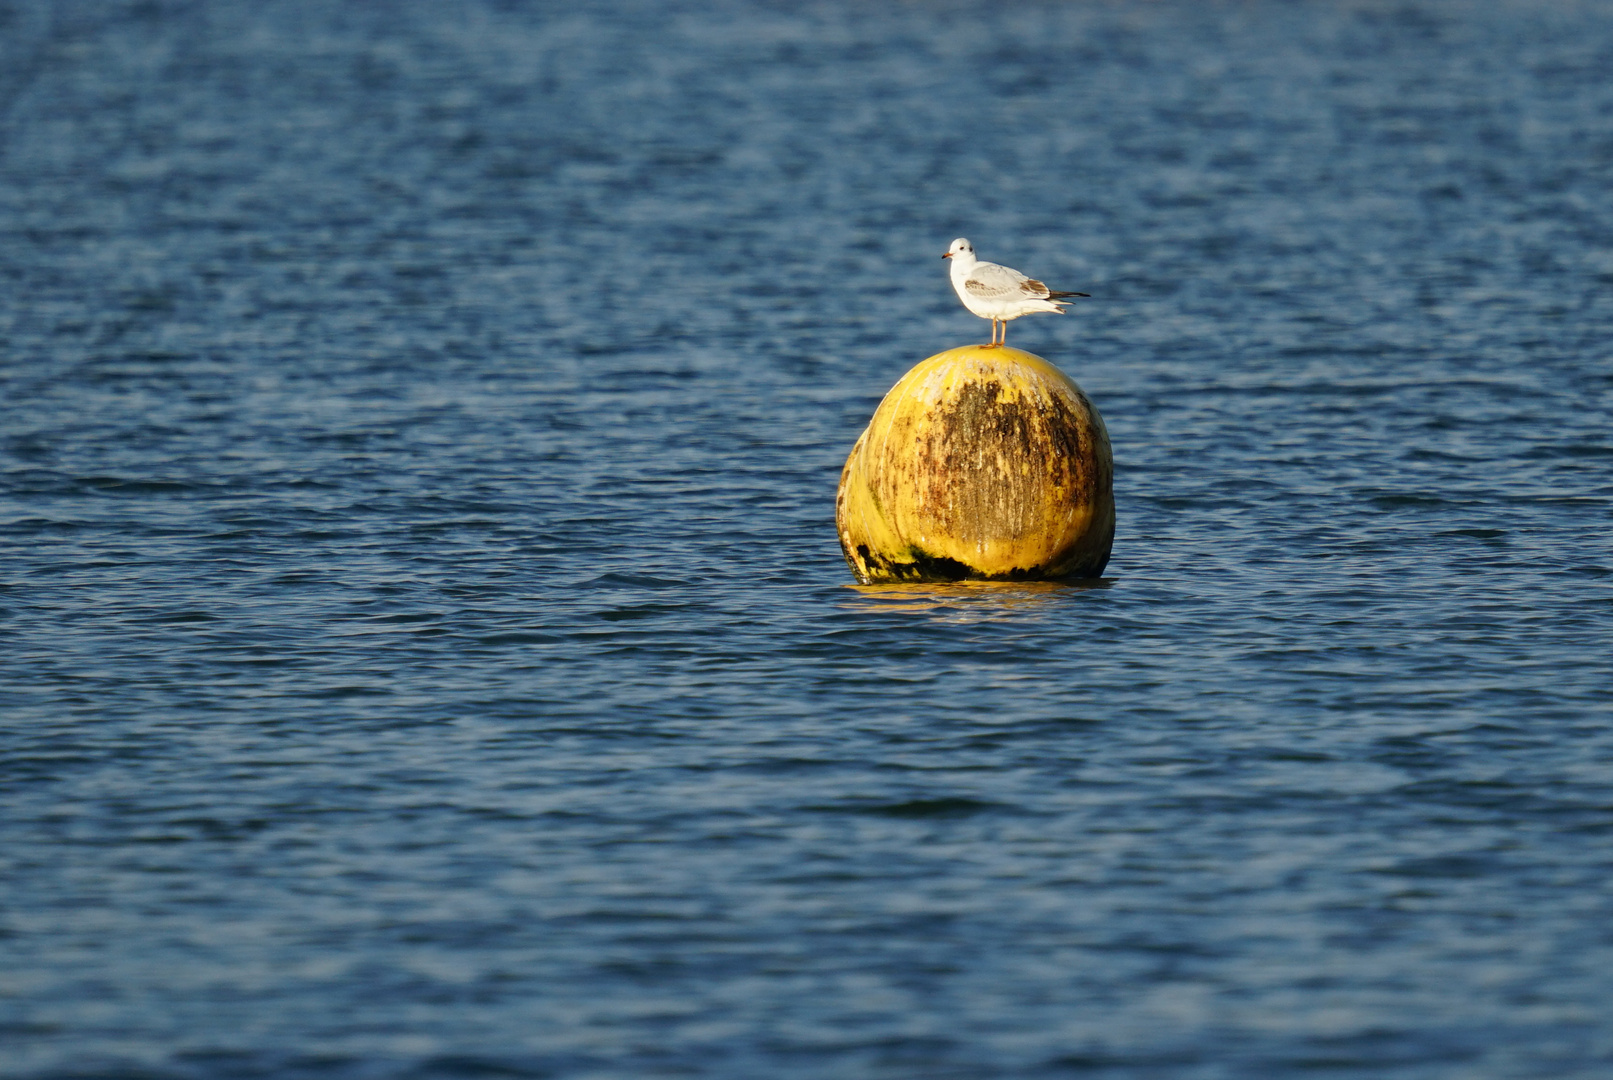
[[998, 293]]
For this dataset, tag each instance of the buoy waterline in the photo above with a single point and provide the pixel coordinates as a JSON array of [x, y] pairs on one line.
[[981, 463]]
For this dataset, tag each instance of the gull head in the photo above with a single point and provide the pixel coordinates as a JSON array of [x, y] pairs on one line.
[[962, 254]]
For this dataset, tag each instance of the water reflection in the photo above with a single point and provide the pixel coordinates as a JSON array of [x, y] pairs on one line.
[[970, 601]]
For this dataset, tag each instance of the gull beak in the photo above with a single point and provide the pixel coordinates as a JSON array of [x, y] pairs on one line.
[[948, 255]]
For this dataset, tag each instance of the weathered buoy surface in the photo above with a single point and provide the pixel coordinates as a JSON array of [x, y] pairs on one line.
[[981, 463]]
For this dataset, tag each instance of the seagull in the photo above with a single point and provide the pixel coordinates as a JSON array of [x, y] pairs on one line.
[[998, 293]]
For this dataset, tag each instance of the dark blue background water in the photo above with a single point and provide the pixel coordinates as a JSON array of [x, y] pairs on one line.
[[424, 647]]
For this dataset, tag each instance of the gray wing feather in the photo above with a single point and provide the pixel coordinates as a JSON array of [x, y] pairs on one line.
[[988, 281]]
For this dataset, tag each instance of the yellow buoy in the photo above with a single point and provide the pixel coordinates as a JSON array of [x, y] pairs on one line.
[[981, 463]]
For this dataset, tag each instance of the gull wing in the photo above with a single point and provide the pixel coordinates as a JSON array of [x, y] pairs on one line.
[[988, 281]]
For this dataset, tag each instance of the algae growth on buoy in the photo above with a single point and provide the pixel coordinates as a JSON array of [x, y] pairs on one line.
[[981, 463]]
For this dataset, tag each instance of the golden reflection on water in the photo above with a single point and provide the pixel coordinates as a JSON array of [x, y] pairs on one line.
[[969, 600]]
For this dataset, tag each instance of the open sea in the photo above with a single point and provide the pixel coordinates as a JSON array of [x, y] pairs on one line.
[[426, 653]]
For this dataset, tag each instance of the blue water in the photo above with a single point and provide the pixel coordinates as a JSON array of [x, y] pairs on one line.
[[425, 650]]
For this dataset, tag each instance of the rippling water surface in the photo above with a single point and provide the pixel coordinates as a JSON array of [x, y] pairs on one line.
[[424, 646]]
